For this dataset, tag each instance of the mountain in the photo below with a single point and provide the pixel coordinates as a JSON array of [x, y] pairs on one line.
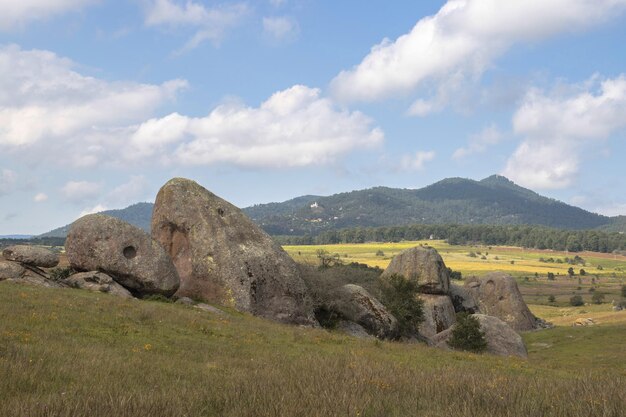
[[494, 200], [139, 214], [617, 224], [15, 236]]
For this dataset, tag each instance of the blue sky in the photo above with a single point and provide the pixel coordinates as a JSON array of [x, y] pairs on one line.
[[103, 101]]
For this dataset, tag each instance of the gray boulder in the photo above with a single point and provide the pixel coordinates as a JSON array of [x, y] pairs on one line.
[[31, 255], [501, 339], [439, 314], [102, 243], [497, 295], [353, 329], [99, 282], [423, 265], [357, 305], [224, 258], [462, 299], [11, 270]]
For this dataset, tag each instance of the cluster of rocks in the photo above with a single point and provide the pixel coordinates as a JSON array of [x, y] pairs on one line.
[[22, 263]]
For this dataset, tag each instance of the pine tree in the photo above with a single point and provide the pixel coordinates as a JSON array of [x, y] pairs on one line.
[[466, 334]]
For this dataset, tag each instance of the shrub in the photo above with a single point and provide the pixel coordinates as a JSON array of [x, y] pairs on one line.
[[550, 276], [583, 272], [59, 274], [400, 296], [455, 274], [472, 254], [576, 301], [624, 291], [326, 259], [380, 253], [551, 299], [571, 272], [597, 298], [466, 334]]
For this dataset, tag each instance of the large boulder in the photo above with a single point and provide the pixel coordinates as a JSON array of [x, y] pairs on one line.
[[356, 304], [501, 339], [31, 255], [462, 299], [102, 243], [423, 265], [439, 314], [224, 258], [97, 281], [11, 270], [497, 295]]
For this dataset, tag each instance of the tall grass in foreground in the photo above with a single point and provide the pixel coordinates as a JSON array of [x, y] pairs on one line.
[[73, 353]]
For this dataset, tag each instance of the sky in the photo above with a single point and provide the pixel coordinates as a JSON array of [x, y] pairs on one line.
[[103, 101]]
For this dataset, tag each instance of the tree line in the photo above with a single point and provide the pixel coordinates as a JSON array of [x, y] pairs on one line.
[[534, 237]]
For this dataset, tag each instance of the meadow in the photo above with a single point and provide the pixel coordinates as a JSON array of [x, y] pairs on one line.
[[75, 353]]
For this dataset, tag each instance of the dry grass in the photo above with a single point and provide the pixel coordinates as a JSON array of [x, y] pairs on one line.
[[74, 353]]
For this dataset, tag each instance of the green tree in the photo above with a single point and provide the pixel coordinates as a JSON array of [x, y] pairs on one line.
[[597, 298], [550, 276], [571, 272], [551, 298], [624, 291], [583, 272], [576, 301], [466, 334], [400, 296]]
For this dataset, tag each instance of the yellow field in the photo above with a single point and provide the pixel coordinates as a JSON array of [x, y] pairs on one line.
[[517, 261]]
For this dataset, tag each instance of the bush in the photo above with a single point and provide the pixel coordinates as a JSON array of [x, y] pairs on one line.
[[597, 298], [550, 276], [583, 272], [551, 299], [472, 254], [455, 274], [380, 253], [576, 301], [624, 291], [59, 274], [326, 259], [400, 296], [466, 334]]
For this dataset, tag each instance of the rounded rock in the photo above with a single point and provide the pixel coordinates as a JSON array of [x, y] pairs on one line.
[[424, 266], [97, 242], [439, 314], [356, 304], [31, 255], [11, 270]]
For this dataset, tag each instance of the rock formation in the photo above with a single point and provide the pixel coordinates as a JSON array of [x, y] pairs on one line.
[[97, 281], [497, 295], [439, 314], [31, 255], [102, 243], [423, 265], [224, 258], [462, 299]]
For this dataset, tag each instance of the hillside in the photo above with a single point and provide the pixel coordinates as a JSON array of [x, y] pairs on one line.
[[493, 201]]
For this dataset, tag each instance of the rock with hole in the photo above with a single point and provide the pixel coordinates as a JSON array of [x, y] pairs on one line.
[[31, 255], [497, 295], [423, 265], [97, 242], [223, 257]]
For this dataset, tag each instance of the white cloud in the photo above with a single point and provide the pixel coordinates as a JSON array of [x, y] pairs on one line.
[[92, 210], [207, 23], [480, 142], [416, 162], [129, 192], [461, 41], [40, 197], [81, 191], [42, 99], [616, 209], [8, 180], [278, 3], [293, 128], [558, 127], [16, 13], [281, 28]]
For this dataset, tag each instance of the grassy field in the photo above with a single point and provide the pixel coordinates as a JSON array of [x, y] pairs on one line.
[[75, 353], [523, 264]]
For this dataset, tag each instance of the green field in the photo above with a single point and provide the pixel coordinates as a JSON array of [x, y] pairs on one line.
[[521, 263], [76, 353]]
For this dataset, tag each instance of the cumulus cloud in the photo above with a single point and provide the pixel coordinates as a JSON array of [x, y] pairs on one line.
[[480, 142], [558, 127], [8, 180], [129, 192], [40, 197], [80, 191], [281, 28], [42, 98], [293, 128], [460, 42], [416, 162], [15, 13], [207, 23], [98, 208]]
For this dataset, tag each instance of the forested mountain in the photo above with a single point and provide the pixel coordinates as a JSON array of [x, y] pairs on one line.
[[492, 201]]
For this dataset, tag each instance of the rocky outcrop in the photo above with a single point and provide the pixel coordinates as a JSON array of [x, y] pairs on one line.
[[11, 270], [102, 243], [423, 265], [439, 314], [501, 339], [462, 299], [224, 258], [357, 305], [497, 295], [31, 255], [352, 329], [99, 282]]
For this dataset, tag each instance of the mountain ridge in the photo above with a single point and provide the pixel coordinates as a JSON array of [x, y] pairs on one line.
[[493, 200]]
